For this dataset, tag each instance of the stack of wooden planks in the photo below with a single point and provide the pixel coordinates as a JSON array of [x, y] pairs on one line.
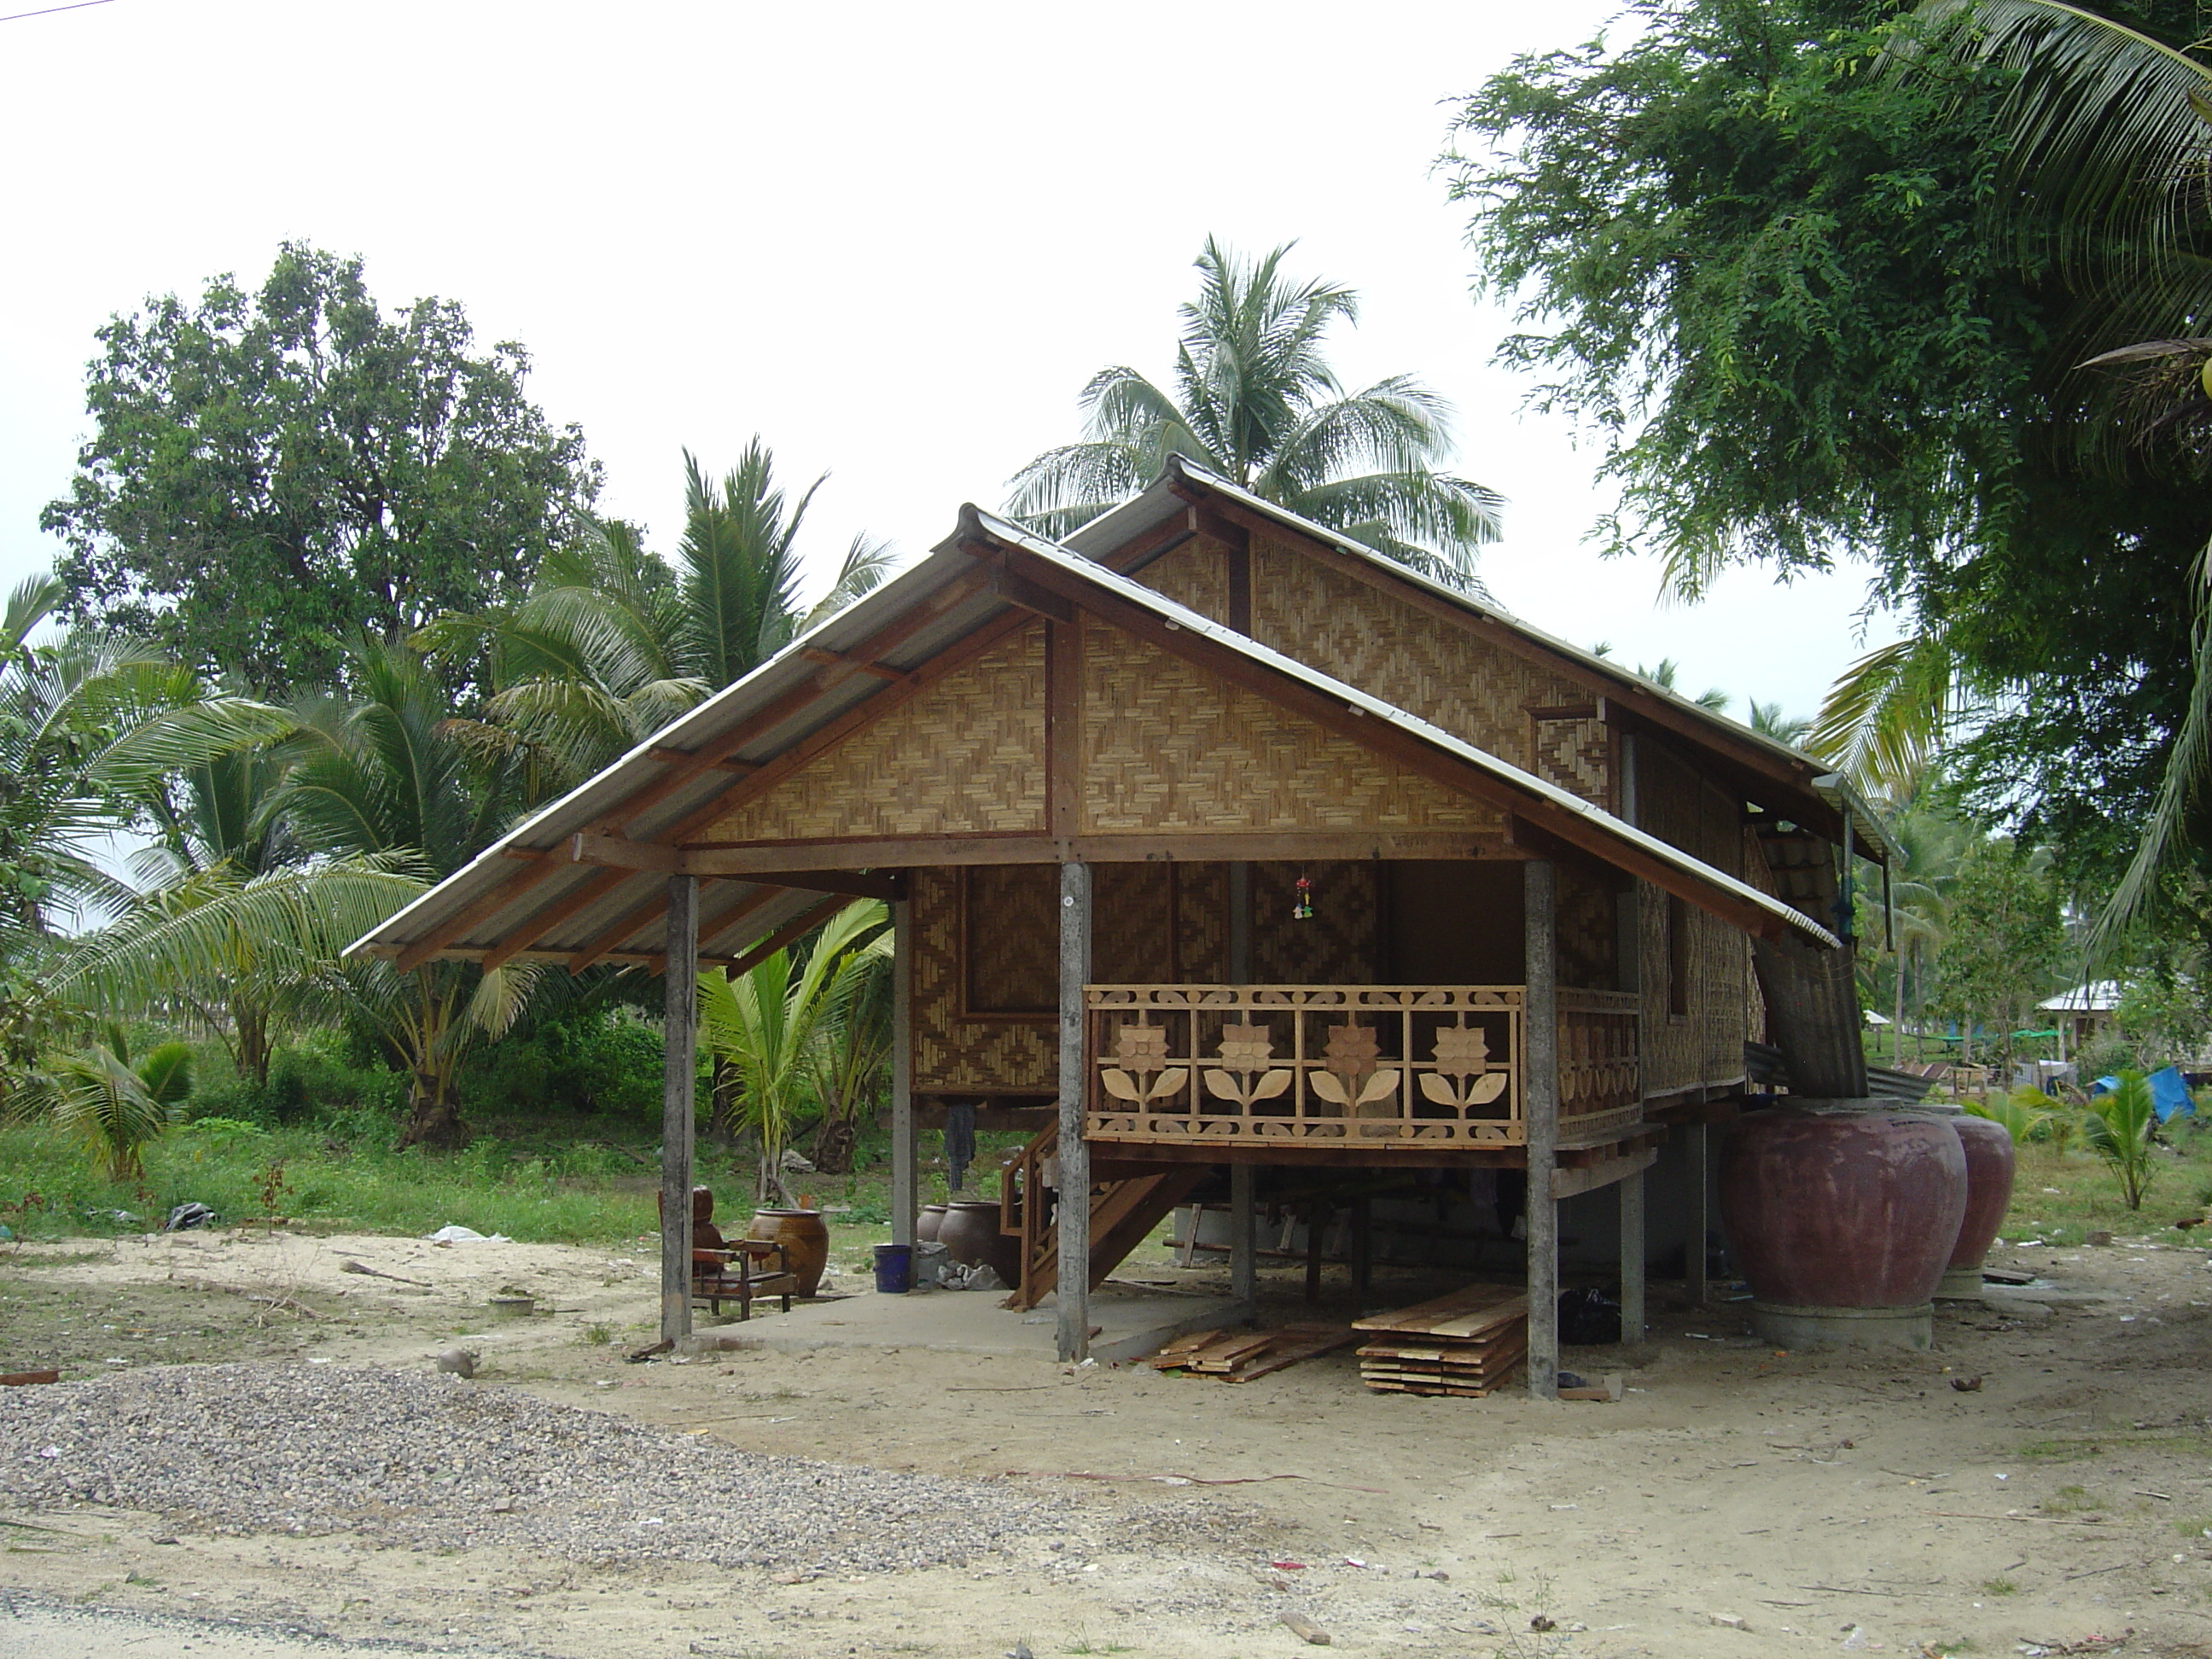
[[1465, 1344], [1240, 1356]]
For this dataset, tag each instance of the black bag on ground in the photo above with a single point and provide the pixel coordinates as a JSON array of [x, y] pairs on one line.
[[1588, 1318]]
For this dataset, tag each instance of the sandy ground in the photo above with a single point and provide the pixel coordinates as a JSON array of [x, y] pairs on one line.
[[1737, 1501]]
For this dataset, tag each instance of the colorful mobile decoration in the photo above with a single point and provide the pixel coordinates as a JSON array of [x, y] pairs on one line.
[[1302, 910]]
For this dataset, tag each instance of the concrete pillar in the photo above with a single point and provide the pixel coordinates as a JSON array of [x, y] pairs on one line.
[[1243, 1239], [1074, 1214], [1632, 1258], [1539, 1086], [1695, 1139], [679, 1068]]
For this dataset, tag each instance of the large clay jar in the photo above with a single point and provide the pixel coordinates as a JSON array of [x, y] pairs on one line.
[[927, 1224], [1842, 1215], [804, 1239], [970, 1235], [1989, 1153]]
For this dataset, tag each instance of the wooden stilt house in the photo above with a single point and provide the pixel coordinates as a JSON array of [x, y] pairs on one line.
[[1216, 840]]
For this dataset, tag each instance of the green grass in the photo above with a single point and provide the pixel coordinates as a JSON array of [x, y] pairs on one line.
[[1999, 1587], [2087, 1198], [540, 1179]]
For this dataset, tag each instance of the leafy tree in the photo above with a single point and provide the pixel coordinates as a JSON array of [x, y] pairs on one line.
[[2003, 931], [272, 473], [1255, 401], [1756, 247]]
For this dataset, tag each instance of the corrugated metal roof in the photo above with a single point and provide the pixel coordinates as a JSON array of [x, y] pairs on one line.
[[816, 680]]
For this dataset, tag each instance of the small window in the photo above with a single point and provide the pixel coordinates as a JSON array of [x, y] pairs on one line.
[[1678, 958]]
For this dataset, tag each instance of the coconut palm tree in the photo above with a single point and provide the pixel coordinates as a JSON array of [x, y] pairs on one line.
[[115, 1107], [1255, 401], [611, 644], [384, 795], [778, 1026]]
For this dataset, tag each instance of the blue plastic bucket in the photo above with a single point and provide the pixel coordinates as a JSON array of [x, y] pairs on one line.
[[894, 1268]]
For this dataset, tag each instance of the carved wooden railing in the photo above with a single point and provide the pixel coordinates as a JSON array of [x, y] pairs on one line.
[[1347, 1065]]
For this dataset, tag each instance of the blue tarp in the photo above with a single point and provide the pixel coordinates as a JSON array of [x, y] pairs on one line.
[[2169, 1092]]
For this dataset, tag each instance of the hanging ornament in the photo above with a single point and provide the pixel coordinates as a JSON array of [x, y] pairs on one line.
[[1302, 909]]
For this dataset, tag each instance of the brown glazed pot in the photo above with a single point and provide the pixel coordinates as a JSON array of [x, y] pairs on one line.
[[969, 1233], [1989, 1153], [804, 1239], [1842, 1217], [927, 1224]]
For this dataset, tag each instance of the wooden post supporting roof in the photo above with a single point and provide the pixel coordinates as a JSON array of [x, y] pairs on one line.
[[906, 1161], [1074, 1160], [1243, 1220], [1540, 1090], [678, 1081]]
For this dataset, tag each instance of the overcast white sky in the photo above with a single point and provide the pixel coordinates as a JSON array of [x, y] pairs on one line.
[[894, 240]]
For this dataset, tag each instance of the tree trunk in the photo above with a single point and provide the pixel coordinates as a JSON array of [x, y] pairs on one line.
[[254, 1047], [722, 1103], [834, 1142], [1897, 1018], [432, 1118]]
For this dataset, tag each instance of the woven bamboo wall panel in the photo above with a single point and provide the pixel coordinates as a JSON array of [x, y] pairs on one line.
[[1010, 942], [1202, 923], [1422, 663], [951, 1052], [1574, 752], [1168, 746], [1195, 575], [1589, 935], [965, 754], [1678, 806], [1340, 944]]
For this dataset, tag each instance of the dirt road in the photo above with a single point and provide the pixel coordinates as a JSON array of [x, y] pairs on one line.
[[1735, 1501]]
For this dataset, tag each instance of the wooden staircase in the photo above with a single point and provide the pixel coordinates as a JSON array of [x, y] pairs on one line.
[[1123, 1214]]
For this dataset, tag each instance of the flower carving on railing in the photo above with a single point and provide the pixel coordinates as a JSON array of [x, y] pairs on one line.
[[1245, 1077], [1144, 1074], [1348, 1076], [1464, 1076]]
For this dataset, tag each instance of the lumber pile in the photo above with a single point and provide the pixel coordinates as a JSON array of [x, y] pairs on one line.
[[1465, 1344], [1240, 1356]]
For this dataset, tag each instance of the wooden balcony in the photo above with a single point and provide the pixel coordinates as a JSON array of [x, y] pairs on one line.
[[1370, 1066]]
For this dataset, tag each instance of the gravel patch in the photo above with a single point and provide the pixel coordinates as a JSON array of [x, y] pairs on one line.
[[432, 1462]]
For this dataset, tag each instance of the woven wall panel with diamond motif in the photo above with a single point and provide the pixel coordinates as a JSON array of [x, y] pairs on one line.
[[1423, 664], [1195, 575], [1575, 753], [963, 755], [952, 1053], [1168, 746], [1340, 945]]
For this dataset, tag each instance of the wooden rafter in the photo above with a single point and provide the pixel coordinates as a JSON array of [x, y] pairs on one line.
[[480, 908], [542, 922]]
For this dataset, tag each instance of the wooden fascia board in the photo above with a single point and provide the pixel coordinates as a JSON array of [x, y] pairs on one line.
[[1379, 737], [1801, 804]]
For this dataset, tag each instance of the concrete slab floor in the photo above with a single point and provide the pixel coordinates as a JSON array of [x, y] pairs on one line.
[[1131, 1321]]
